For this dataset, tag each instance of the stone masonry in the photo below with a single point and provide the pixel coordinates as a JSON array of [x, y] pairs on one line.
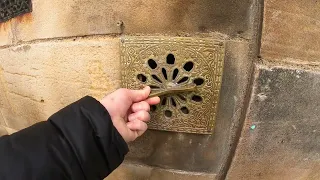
[[268, 124]]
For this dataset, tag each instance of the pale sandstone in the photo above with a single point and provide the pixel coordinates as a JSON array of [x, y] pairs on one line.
[[41, 78], [52, 19], [9, 130], [291, 30], [3, 131]]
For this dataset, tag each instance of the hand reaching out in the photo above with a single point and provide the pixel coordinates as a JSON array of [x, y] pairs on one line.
[[129, 111]]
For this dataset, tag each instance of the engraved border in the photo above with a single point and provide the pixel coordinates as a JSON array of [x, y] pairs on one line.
[[130, 44]]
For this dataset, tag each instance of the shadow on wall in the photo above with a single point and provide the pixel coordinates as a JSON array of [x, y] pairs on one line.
[[152, 16]]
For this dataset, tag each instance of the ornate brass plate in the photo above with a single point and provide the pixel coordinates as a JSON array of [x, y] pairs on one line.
[[12, 8], [185, 72]]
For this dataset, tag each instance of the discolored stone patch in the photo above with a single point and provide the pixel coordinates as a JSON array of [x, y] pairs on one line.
[[285, 141]]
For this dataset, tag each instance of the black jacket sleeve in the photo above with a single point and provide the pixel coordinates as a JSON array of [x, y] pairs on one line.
[[77, 143]]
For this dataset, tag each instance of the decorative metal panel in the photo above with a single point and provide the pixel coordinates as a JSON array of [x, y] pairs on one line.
[[12, 8], [185, 72]]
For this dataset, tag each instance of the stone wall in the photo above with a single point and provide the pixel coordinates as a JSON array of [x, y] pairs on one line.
[[267, 125], [280, 137]]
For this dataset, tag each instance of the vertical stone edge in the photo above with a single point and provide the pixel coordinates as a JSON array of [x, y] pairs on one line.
[[255, 14]]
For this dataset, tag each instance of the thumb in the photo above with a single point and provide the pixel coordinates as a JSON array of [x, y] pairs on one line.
[[139, 95]]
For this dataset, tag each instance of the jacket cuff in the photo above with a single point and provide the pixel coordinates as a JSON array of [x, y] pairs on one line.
[[96, 143], [103, 126]]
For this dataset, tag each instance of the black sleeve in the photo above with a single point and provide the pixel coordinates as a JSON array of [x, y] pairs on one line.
[[77, 143]]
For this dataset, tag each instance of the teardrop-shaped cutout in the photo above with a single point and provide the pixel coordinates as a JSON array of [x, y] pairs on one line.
[[188, 66], [175, 74], [164, 73], [155, 77], [153, 108], [164, 101], [173, 102], [154, 87], [198, 81], [170, 59], [184, 110], [196, 98], [152, 64], [182, 97], [141, 77], [184, 79]]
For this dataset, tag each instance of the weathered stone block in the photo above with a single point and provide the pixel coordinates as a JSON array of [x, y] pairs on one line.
[[51, 19], [3, 131], [280, 137], [41, 78], [291, 30]]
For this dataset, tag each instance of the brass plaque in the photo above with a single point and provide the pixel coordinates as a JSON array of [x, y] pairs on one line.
[[185, 72]]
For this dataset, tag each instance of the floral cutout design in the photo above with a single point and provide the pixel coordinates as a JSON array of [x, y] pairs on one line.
[[169, 76]]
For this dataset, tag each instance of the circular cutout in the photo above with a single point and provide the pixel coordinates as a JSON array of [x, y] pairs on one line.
[[198, 81], [170, 59], [196, 98], [141, 77], [152, 64], [184, 110], [188, 66], [168, 113]]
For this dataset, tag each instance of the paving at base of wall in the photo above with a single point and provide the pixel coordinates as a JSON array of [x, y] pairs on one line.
[[139, 172]]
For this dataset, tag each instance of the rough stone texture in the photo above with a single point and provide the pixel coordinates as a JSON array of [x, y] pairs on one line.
[[202, 153], [41, 76], [9, 130], [291, 30], [138, 172], [285, 143], [39, 79], [3, 131], [85, 17]]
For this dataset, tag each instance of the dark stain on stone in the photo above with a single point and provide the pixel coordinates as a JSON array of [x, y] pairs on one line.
[[23, 48], [25, 18], [177, 16], [202, 28], [26, 48], [5, 26]]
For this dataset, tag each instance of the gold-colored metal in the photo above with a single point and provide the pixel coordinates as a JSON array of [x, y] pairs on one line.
[[185, 72], [173, 90]]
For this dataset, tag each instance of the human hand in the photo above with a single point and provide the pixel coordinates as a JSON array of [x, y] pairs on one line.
[[129, 111]]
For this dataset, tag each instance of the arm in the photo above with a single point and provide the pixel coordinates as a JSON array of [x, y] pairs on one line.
[[84, 141]]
